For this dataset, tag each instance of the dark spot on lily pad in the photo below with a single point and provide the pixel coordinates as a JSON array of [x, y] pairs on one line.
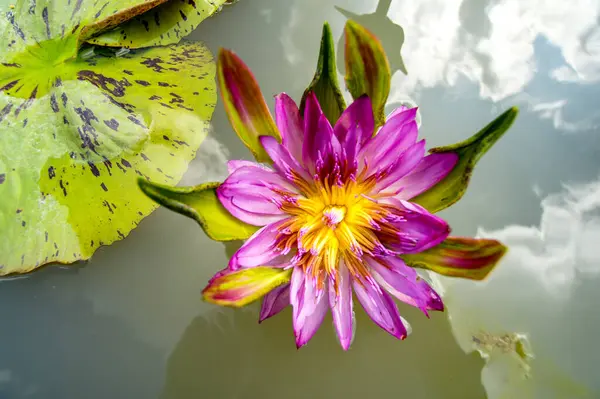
[[155, 97], [183, 15], [142, 82], [5, 111], [136, 121], [51, 172], [62, 186], [103, 187], [54, 103], [154, 64], [2, 177], [111, 85], [125, 163], [94, 169], [113, 124], [46, 22]]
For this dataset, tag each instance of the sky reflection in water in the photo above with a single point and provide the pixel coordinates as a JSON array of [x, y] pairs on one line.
[[130, 324]]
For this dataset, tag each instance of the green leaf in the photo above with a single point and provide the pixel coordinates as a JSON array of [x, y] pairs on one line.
[[454, 185], [367, 68], [325, 82], [469, 258], [242, 287], [165, 24], [201, 204], [76, 133], [244, 104]]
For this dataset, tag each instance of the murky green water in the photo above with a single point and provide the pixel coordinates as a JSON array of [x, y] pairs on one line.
[[130, 324]]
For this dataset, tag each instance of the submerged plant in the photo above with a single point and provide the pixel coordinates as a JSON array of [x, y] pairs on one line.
[[79, 124], [342, 200]]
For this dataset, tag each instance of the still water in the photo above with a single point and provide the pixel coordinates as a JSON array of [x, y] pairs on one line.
[[130, 323]]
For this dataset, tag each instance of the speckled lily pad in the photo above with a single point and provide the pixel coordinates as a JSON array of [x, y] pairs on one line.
[[165, 24], [76, 132]]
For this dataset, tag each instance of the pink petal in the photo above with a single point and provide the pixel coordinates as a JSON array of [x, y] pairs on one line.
[[290, 124], [380, 307], [409, 114], [432, 169], [253, 194], [283, 161], [418, 230], [393, 277], [340, 303], [401, 166], [359, 113], [309, 307], [259, 249], [274, 302], [235, 164], [312, 118], [394, 137], [434, 300]]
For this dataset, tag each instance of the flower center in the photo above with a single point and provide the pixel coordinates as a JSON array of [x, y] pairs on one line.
[[333, 215]]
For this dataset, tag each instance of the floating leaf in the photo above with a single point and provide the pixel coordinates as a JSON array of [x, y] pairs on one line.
[[201, 204], [470, 258], [76, 133], [165, 24], [367, 68], [325, 82], [453, 186], [244, 286], [244, 104]]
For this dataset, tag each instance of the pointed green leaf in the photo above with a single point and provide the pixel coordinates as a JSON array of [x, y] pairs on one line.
[[242, 287], [453, 186], [164, 24], [201, 204], [325, 82], [75, 133], [367, 68], [244, 103], [469, 258]]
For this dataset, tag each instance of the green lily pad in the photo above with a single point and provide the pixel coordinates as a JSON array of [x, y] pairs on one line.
[[75, 133], [453, 186], [165, 24]]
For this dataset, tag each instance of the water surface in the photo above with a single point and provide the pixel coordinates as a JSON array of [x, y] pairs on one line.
[[130, 323]]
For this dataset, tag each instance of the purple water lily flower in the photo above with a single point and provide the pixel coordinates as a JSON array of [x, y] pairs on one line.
[[335, 215]]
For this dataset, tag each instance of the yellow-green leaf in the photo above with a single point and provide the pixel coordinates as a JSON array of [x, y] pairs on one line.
[[166, 23], [201, 204], [470, 258], [75, 133], [367, 68], [242, 287], [454, 185], [244, 103], [325, 82]]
